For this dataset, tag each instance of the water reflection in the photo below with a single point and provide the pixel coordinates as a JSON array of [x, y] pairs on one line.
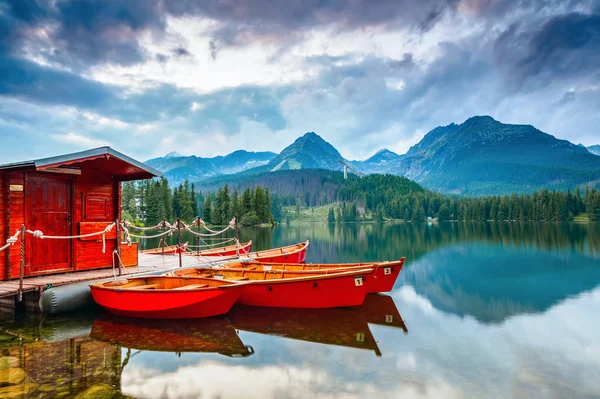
[[479, 311], [54, 360], [492, 283], [211, 335]]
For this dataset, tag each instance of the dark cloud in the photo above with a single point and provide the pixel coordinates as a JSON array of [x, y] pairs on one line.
[[31, 82], [87, 32], [82, 33], [565, 46], [181, 52], [162, 58], [212, 46], [229, 107]]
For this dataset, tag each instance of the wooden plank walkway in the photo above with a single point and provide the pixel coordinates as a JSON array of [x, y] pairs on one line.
[[147, 263]]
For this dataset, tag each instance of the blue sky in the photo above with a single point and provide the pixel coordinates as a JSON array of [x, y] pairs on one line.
[[208, 77]]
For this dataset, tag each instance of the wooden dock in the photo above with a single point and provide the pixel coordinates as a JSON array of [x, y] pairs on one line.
[[146, 263]]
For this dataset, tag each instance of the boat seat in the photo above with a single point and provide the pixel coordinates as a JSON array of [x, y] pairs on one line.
[[237, 278], [191, 287], [143, 287]]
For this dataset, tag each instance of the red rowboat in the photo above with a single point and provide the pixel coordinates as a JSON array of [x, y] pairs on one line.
[[168, 250], [229, 250], [293, 289], [162, 297], [290, 254], [384, 275]]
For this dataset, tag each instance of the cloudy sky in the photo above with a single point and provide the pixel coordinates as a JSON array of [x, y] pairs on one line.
[[208, 77]]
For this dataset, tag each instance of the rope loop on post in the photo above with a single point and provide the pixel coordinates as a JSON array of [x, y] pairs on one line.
[[10, 241]]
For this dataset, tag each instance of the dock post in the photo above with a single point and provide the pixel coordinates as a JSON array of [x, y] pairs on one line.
[[118, 249], [179, 239], [22, 268], [162, 239], [237, 241], [198, 236]]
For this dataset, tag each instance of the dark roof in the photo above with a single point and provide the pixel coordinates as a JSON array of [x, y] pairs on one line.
[[82, 156]]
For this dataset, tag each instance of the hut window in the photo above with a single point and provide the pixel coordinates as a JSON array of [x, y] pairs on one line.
[[96, 207]]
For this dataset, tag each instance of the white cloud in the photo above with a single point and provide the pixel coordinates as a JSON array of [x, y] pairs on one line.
[[79, 140]]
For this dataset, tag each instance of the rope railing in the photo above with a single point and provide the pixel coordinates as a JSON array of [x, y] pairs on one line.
[[164, 233], [216, 244], [162, 224], [40, 234], [10, 241], [128, 235], [213, 233]]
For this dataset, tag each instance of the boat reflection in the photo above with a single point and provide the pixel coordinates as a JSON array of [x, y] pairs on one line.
[[381, 309], [339, 326], [348, 327], [210, 335]]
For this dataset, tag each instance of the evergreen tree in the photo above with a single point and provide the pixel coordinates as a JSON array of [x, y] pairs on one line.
[[176, 201], [207, 210], [194, 201], [185, 202], [260, 205], [225, 206], [246, 201], [379, 217], [236, 204], [444, 213], [217, 209], [166, 198], [331, 216]]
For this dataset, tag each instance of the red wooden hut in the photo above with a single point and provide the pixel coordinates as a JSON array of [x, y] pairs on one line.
[[66, 195]]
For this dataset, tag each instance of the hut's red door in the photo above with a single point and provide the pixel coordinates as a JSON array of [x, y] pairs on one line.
[[48, 203]]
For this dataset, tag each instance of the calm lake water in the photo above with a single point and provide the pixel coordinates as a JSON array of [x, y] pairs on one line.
[[480, 310]]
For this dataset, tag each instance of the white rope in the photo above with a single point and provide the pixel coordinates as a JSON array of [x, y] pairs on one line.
[[242, 247], [211, 245], [115, 252], [11, 240], [40, 234], [231, 225], [128, 234], [158, 226]]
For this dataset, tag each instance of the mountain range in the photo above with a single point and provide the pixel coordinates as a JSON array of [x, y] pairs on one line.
[[594, 149], [177, 168], [478, 157]]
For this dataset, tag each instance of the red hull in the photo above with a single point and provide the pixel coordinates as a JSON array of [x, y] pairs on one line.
[[168, 304], [298, 256], [316, 292], [168, 250], [226, 252], [383, 279]]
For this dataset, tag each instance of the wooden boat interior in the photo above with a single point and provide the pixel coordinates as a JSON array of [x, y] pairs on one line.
[[163, 283], [250, 274], [280, 251], [304, 266], [228, 248], [169, 249]]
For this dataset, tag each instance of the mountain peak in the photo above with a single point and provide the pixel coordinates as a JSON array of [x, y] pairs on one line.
[[173, 154], [480, 120], [385, 151], [310, 136], [309, 151]]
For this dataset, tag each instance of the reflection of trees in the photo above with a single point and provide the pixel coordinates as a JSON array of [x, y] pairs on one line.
[[371, 242], [63, 368]]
